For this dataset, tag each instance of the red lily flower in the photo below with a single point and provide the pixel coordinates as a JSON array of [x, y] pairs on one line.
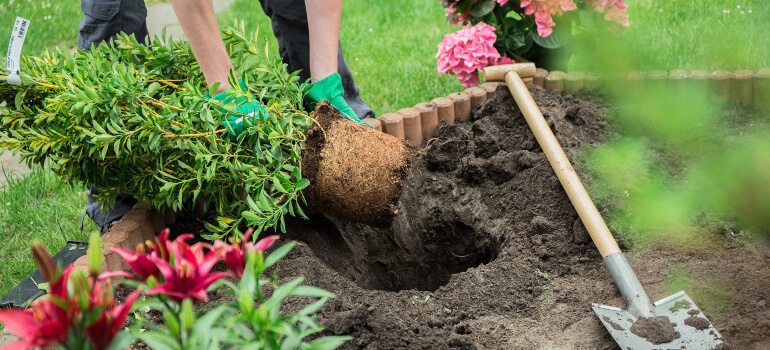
[[235, 254], [142, 260], [189, 275], [45, 324], [103, 331]]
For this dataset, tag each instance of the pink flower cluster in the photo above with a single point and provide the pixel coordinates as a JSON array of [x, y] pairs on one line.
[[461, 18], [544, 10], [468, 50], [616, 10]]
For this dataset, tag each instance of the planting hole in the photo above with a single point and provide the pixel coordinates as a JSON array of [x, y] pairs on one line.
[[401, 257]]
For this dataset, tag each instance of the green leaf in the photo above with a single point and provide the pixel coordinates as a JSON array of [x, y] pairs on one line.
[[155, 86], [250, 217], [513, 14], [278, 186], [159, 341], [483, 8], [307, 310], [19, 98], [310, 291], [279, 253], [302, 184], [328, 343], [213, 89], [122, 341], [553, 41]]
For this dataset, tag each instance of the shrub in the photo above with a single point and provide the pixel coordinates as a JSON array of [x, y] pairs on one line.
[[137, 119]]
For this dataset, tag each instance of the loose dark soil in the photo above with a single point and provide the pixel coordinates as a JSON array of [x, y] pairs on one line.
[[488, 253]]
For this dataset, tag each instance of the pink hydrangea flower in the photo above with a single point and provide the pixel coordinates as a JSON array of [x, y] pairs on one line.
[[457, 18], [614, 10], [544, 10], [502, 2], [468, 50]]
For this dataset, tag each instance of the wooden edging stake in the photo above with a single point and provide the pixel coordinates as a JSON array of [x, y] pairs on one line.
[[446, 109], [573, 82], [540, 75], [490, 88], [428, 118], [376, 123], [462, 105], [743, 87], [477, 95], [762, 88], [412, 126], [721, 86], [393, 124], [554, 81]]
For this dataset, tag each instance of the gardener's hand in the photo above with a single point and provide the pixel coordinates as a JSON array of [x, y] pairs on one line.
[[237, 123], [330, 89]]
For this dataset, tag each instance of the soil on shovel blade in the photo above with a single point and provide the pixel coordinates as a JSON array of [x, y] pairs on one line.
[[488, 253]]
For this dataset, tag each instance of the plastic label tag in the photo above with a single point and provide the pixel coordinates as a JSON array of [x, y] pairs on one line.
[[13, 60]]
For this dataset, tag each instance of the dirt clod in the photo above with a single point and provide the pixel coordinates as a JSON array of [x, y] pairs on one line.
[[698, 323], [656, 330]]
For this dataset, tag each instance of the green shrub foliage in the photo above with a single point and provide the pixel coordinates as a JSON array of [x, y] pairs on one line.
[[138, 120]]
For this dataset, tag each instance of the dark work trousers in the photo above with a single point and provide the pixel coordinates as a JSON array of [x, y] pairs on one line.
[[289, 20], [104, 19]]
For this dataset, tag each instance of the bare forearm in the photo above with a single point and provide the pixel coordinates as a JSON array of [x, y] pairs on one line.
[[200, 27], [323, 17]]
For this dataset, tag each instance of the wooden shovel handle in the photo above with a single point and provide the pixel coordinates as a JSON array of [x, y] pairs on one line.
[[567, 176]]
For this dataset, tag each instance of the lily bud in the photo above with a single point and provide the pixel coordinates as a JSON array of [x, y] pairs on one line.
[[94, 255], [81, 289], [45, 262]]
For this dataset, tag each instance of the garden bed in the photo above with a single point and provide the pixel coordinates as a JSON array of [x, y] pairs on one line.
[[488, 253]]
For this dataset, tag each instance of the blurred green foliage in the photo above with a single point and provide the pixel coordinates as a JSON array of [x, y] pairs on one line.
[[680, 155]]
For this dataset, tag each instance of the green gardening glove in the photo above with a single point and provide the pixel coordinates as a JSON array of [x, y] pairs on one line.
[[236, 124], [330, 89]]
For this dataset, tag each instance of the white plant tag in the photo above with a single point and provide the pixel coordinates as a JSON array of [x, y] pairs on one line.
[[13, 60]]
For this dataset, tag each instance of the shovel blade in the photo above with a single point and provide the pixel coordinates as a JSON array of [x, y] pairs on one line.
[[695, 330]]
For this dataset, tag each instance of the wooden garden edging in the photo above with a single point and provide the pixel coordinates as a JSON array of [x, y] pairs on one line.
[[416, 125]]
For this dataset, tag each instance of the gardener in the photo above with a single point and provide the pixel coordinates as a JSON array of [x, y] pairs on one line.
[[315, 53]]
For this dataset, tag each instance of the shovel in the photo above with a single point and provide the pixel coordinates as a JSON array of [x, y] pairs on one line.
[[674, 322]]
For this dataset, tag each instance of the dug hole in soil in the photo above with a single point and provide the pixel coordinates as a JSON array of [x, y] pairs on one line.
[[488, 253]]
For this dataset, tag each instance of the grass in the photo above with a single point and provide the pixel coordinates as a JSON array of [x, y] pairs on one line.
[[670, 35], [37, 206], [389, 46], [52, 23]]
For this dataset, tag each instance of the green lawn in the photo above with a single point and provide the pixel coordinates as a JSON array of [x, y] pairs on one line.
[[52, 23], [38, 207], [669, 35]]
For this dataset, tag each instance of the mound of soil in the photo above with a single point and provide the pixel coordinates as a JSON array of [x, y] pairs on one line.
[[488, 253]]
